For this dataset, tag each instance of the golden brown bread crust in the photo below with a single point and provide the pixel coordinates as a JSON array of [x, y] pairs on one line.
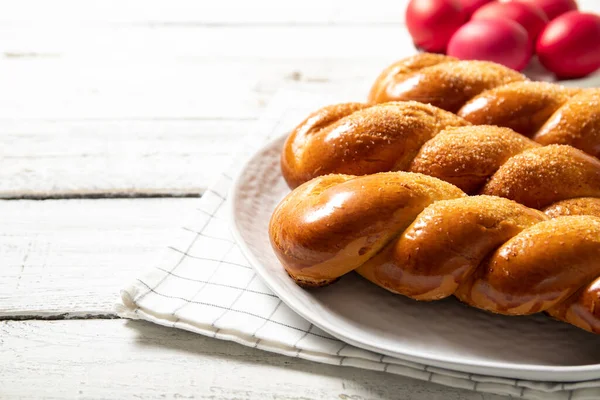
[[576, 206], [487, 93], [445, 243], [324, 243], [539, 268], [359, 139], [421, 237], [522, 106], [409, 136], [584, 306], [400, 70], [467, 157], [582, 309], [544, 175], [576, 123], [447, 83]]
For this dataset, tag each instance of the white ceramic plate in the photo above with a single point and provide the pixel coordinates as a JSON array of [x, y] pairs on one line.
[[445, 333]]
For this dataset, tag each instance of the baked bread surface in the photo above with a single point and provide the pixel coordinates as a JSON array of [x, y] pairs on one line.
[[424, 238], [488, 93]]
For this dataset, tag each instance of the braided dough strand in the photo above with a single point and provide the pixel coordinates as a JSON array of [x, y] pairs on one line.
[[354, 138], [447, 84], [411, 136], [497, 161], [423, 238], [488, 93]]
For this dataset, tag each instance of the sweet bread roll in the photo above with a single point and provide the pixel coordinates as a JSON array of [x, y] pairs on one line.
[[332, 224], [488, 93], [441, 81], [576, 123], [497, 161], [416, 137], [545, 175], [358, 139], [423, 238], [467, 157], [399, 70]]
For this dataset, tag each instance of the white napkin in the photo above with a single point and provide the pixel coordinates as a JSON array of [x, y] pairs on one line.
[[205, 285]]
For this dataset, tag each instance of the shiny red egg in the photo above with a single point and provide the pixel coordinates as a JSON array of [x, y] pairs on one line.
[[499, 40], [570, 45], [431, 23], [530, 17]]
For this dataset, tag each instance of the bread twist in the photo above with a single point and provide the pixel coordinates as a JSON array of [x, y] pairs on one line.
[[421, 237], [488, 93], [358, 139]]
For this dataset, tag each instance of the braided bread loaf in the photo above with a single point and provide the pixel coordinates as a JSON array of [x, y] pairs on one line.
[[358, 139], [424, 238], [488, 93]]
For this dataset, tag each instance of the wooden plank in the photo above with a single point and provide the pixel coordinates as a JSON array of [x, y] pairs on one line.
[[150, 44], [40, 88], [100, 359], [190, 11], [83, 133], [108, 158], [73, 256], [192, 88]]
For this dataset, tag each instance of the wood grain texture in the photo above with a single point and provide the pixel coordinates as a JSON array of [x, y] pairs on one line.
[[118, 359], [160, 43], [110, 88], [200, 87], [226, 12], [73, 256], [118, 157]]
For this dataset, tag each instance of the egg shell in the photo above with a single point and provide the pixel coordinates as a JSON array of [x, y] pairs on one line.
[[499, 40], [530, 17], [470, 6], [554, 8], [570, 45], [431, 23]]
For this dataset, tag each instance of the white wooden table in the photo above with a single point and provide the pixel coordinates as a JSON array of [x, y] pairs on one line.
[[114, 116]]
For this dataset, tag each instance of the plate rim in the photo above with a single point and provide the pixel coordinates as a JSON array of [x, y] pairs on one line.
[[491, 368]]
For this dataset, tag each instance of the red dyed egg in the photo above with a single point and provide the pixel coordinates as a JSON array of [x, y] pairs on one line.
[[470, 6], [570, 45], [431, 23], [554, 8], [530, 17], [498, 40]]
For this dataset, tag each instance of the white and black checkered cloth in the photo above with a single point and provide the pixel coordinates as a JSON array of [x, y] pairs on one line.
[[205, 285]]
